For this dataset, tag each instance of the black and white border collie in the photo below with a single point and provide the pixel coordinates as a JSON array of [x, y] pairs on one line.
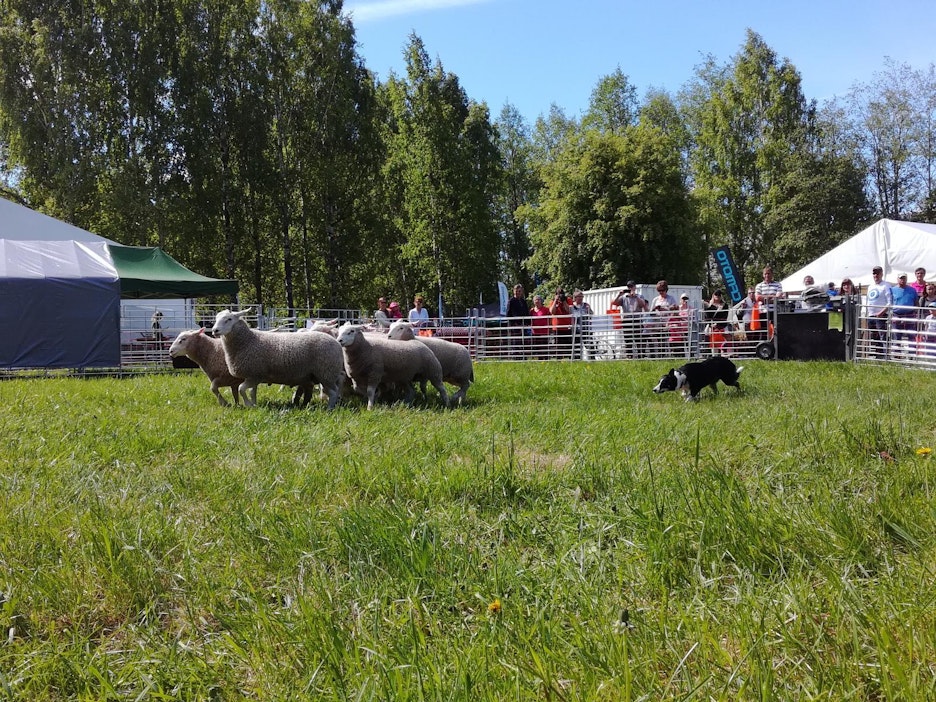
[[693, 377]]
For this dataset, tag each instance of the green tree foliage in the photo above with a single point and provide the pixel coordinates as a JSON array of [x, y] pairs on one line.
[[613, 104], [520, 187], [220, 95], [615, 206], [660, 110], [774, 181], [249, 140], [444, 168], [240, 135], [552, 133], [745, 122], [614, 202], [327, 142], [894, 117]]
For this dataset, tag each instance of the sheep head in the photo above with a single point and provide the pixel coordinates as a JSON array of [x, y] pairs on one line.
[[180, 343], [349, 333], [401, 331], [225, 321], [330, 327]]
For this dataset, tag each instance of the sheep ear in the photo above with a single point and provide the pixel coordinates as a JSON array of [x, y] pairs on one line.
[[333, 322], [242, 312], [201, 330]]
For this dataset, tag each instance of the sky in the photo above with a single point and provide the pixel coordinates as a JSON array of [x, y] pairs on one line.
[[535, 53]]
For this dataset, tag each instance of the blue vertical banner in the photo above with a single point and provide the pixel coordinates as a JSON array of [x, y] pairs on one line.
[[734, 281], [504, 296]]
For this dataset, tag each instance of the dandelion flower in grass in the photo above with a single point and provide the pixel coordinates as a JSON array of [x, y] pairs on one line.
[[924, 451], [494, 607]]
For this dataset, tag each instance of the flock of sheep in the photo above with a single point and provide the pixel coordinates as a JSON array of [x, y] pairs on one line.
[[345, 361]]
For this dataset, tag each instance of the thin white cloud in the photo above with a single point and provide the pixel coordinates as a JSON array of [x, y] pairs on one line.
[[372, 10]]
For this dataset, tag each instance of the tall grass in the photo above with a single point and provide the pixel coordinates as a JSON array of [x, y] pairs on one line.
[[568, 535]]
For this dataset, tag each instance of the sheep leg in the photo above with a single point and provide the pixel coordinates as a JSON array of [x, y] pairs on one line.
[[249, 391], [409, 394], [440, 386], [371, 395], [303, 394], [216, 390], [459, 395], [333, 392]]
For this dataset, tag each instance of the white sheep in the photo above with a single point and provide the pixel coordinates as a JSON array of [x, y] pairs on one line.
[[372, 359], [285, 358], [208, 353], [320, 325], [454, 358]]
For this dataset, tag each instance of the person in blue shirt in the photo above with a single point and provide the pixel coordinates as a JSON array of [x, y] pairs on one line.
[[905, 309]]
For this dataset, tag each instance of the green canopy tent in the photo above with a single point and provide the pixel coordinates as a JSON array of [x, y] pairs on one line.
[[148, 272]]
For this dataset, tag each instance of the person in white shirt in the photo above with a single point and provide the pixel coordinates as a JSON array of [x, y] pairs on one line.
[[419, 315], [880, 300], [381, 318], [768, 291]]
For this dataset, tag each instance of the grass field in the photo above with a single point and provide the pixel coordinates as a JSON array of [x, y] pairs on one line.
[[568, 535]]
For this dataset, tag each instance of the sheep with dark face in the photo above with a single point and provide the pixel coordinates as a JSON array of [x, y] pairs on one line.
[[455, 359], [208, 353], [372, 359], [284, 358]]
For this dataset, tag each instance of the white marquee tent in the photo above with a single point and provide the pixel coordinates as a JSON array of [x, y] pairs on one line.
[[896, 246]]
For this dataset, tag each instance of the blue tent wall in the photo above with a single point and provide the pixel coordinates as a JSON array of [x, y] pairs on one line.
[[59, 323], [59, 305]]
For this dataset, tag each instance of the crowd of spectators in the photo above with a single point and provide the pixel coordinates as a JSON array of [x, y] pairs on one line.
[[904, 312]]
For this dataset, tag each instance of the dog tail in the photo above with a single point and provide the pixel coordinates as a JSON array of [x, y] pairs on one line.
[[738, 372]]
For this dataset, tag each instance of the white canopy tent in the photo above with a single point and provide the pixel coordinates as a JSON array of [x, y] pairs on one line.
[[898, 247]]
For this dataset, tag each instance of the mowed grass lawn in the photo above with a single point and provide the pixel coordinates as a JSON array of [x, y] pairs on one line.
[[568, 535]]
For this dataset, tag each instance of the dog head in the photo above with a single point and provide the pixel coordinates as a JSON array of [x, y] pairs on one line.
[[672, 381]]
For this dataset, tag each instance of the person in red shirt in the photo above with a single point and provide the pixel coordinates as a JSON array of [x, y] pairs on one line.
[[562, 323], [540, 324]]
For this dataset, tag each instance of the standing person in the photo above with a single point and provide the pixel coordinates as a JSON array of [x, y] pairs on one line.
[[660, 307], [156, 325], [540, 324], [905, 301], [716, 317], [847, 287], [562, 321], [768, 291], [518, 310], [581, 316], [920, 283], [927, 300], [394, 311], [928, 331], [419, 315], [880, 300], [745, 308], [381, 314], [663, 302], [678, 327], [744, 313], [808, 282], [928, 296], [632, 307]]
